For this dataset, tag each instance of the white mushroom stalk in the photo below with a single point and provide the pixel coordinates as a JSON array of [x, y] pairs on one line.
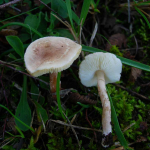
[[98, 69], [106, 115]]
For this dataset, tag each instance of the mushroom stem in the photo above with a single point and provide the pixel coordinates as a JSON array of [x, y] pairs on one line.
[[53, 81], [106, 115]]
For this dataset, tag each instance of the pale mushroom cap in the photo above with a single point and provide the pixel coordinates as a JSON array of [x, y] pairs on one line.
[[50, 54], [106, 62]]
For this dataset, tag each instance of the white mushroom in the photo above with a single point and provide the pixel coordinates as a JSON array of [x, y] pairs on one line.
[[99, 69], [51, 55]]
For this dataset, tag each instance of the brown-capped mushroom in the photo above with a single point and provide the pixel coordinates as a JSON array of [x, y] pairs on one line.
[[50, 55]]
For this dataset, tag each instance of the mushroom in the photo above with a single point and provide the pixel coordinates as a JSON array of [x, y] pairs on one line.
[[99, 69], [50, 55]]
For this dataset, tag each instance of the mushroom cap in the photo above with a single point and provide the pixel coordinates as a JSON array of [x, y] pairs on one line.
[[50, 54], [106, 62]]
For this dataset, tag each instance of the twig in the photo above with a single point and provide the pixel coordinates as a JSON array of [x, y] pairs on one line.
[[125, 129], [136, 45], [147, 84], [68, 26], [132, 92], [4, 128], [51, 10], [74, 126], [80, 41], [12, 138], [129, 11], [73, 130], [5, 64], [9, 3], [91, 125], [3, 88], [62, 21], [131, 49], [71, 122], [42, 122], [93, 34]]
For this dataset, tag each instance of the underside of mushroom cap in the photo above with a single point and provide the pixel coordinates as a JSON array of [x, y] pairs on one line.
[[106, 62], [50, 54]]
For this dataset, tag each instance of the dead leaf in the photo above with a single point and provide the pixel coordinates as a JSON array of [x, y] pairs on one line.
[[11, 124], [37, 2], [135, 73], [116, 39], [119, 148], [13, 26], [111, 21], [143, 126], [128, 55], [141, 139], [6, 32]]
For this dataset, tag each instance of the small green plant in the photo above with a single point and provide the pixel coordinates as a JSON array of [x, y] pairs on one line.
[[31, 145], [142, 32], [115, 50]]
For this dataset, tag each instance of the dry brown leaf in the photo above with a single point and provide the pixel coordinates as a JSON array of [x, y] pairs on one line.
[[128, 55], [6, 32], [119, 148], [12, 26], [37, 2], [116, 39], [135, 73], [11, 124], [141, 139], [143, 126]]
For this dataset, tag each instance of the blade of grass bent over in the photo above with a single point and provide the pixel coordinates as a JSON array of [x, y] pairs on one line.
[[139, 11], [19, 14], [118, 131], [23, 25], [123, 60], [17, 118]]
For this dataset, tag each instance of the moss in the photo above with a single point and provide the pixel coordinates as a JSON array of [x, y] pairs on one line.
[[129, 110], [114, 49]]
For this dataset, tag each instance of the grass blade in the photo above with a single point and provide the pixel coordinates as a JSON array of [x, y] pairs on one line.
[[138, 10], [58, 94], [19, 14], [69, 12], [23, 25], [84, 11], [74, 16], [17, 118], [123, 60], [118, 131]]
